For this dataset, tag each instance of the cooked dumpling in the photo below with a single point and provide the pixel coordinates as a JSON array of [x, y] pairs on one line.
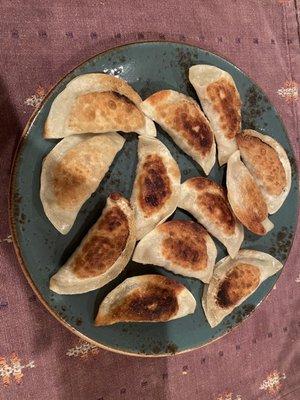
[[221, 103], [97, 103], [183, 247], [207, 202], [156, 188], [245, 197], [103, 253], [268, 164], [72, 171], [181, 117], [146, 298], [234, 280]]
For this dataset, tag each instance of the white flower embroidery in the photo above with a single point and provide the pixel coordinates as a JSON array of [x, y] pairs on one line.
[[13, 369], [289, 91], [8, 239], [36, 99], [297, 280], [273, 382], [83, 349]]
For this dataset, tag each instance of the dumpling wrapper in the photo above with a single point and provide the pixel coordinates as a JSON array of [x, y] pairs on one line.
[[156, 188], [221, 103], [103, 253], [268, 164], [72, 171], [207, 202], [182, 118], [234, 280], [97, 103], [245, 197], [146, 298], [182, 247]]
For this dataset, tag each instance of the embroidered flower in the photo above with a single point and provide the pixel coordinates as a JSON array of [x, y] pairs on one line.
[[8, 239], [83, 350], [289, 91], [273, 382], [13, 369], [36, 99]]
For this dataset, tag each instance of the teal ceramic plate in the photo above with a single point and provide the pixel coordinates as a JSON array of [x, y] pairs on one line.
[[148, 67]]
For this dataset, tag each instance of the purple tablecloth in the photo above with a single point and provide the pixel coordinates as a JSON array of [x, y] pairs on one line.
[[40, 359]]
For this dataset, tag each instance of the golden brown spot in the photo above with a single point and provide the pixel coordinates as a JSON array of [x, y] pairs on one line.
[[103, 248], [187, 119], [155, 302], [154, 185], [203, 184], [185, 244], [240, 282], [226, 102], [103, 112], [158, 97], [73, 174], [214, 203], [263, 162], [254, 209], [218, 210]]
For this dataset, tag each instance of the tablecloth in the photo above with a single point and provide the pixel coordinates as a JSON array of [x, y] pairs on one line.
[[39, 359]]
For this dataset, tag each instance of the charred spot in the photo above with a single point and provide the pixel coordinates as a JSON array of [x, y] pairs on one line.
[[223, 297], [201, 183], [155, 303], [154, 184], [219, 210], [103, 248], [238, 283], [112, 219], [184, 244], [226, 102], [194, 127]]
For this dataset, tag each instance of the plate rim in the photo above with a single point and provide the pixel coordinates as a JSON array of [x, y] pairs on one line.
[[11, 192]]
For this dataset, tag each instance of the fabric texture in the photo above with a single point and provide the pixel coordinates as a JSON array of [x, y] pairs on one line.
[[39, 358]]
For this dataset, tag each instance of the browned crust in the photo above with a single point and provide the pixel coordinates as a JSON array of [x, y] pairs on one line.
[[254, 209], [120, 86], [186, 118], [104, 246], [154, 185], [104, 111], [213, 202], [226, 102], [185, 244], [263, 161], [155, 300], [241, 281], [158, 97], [72, 175], [203, 184]]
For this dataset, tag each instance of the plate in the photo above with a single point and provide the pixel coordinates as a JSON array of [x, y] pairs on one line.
[[41, 250]]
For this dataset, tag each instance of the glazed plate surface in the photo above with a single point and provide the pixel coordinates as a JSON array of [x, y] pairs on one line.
[[148, 67]]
